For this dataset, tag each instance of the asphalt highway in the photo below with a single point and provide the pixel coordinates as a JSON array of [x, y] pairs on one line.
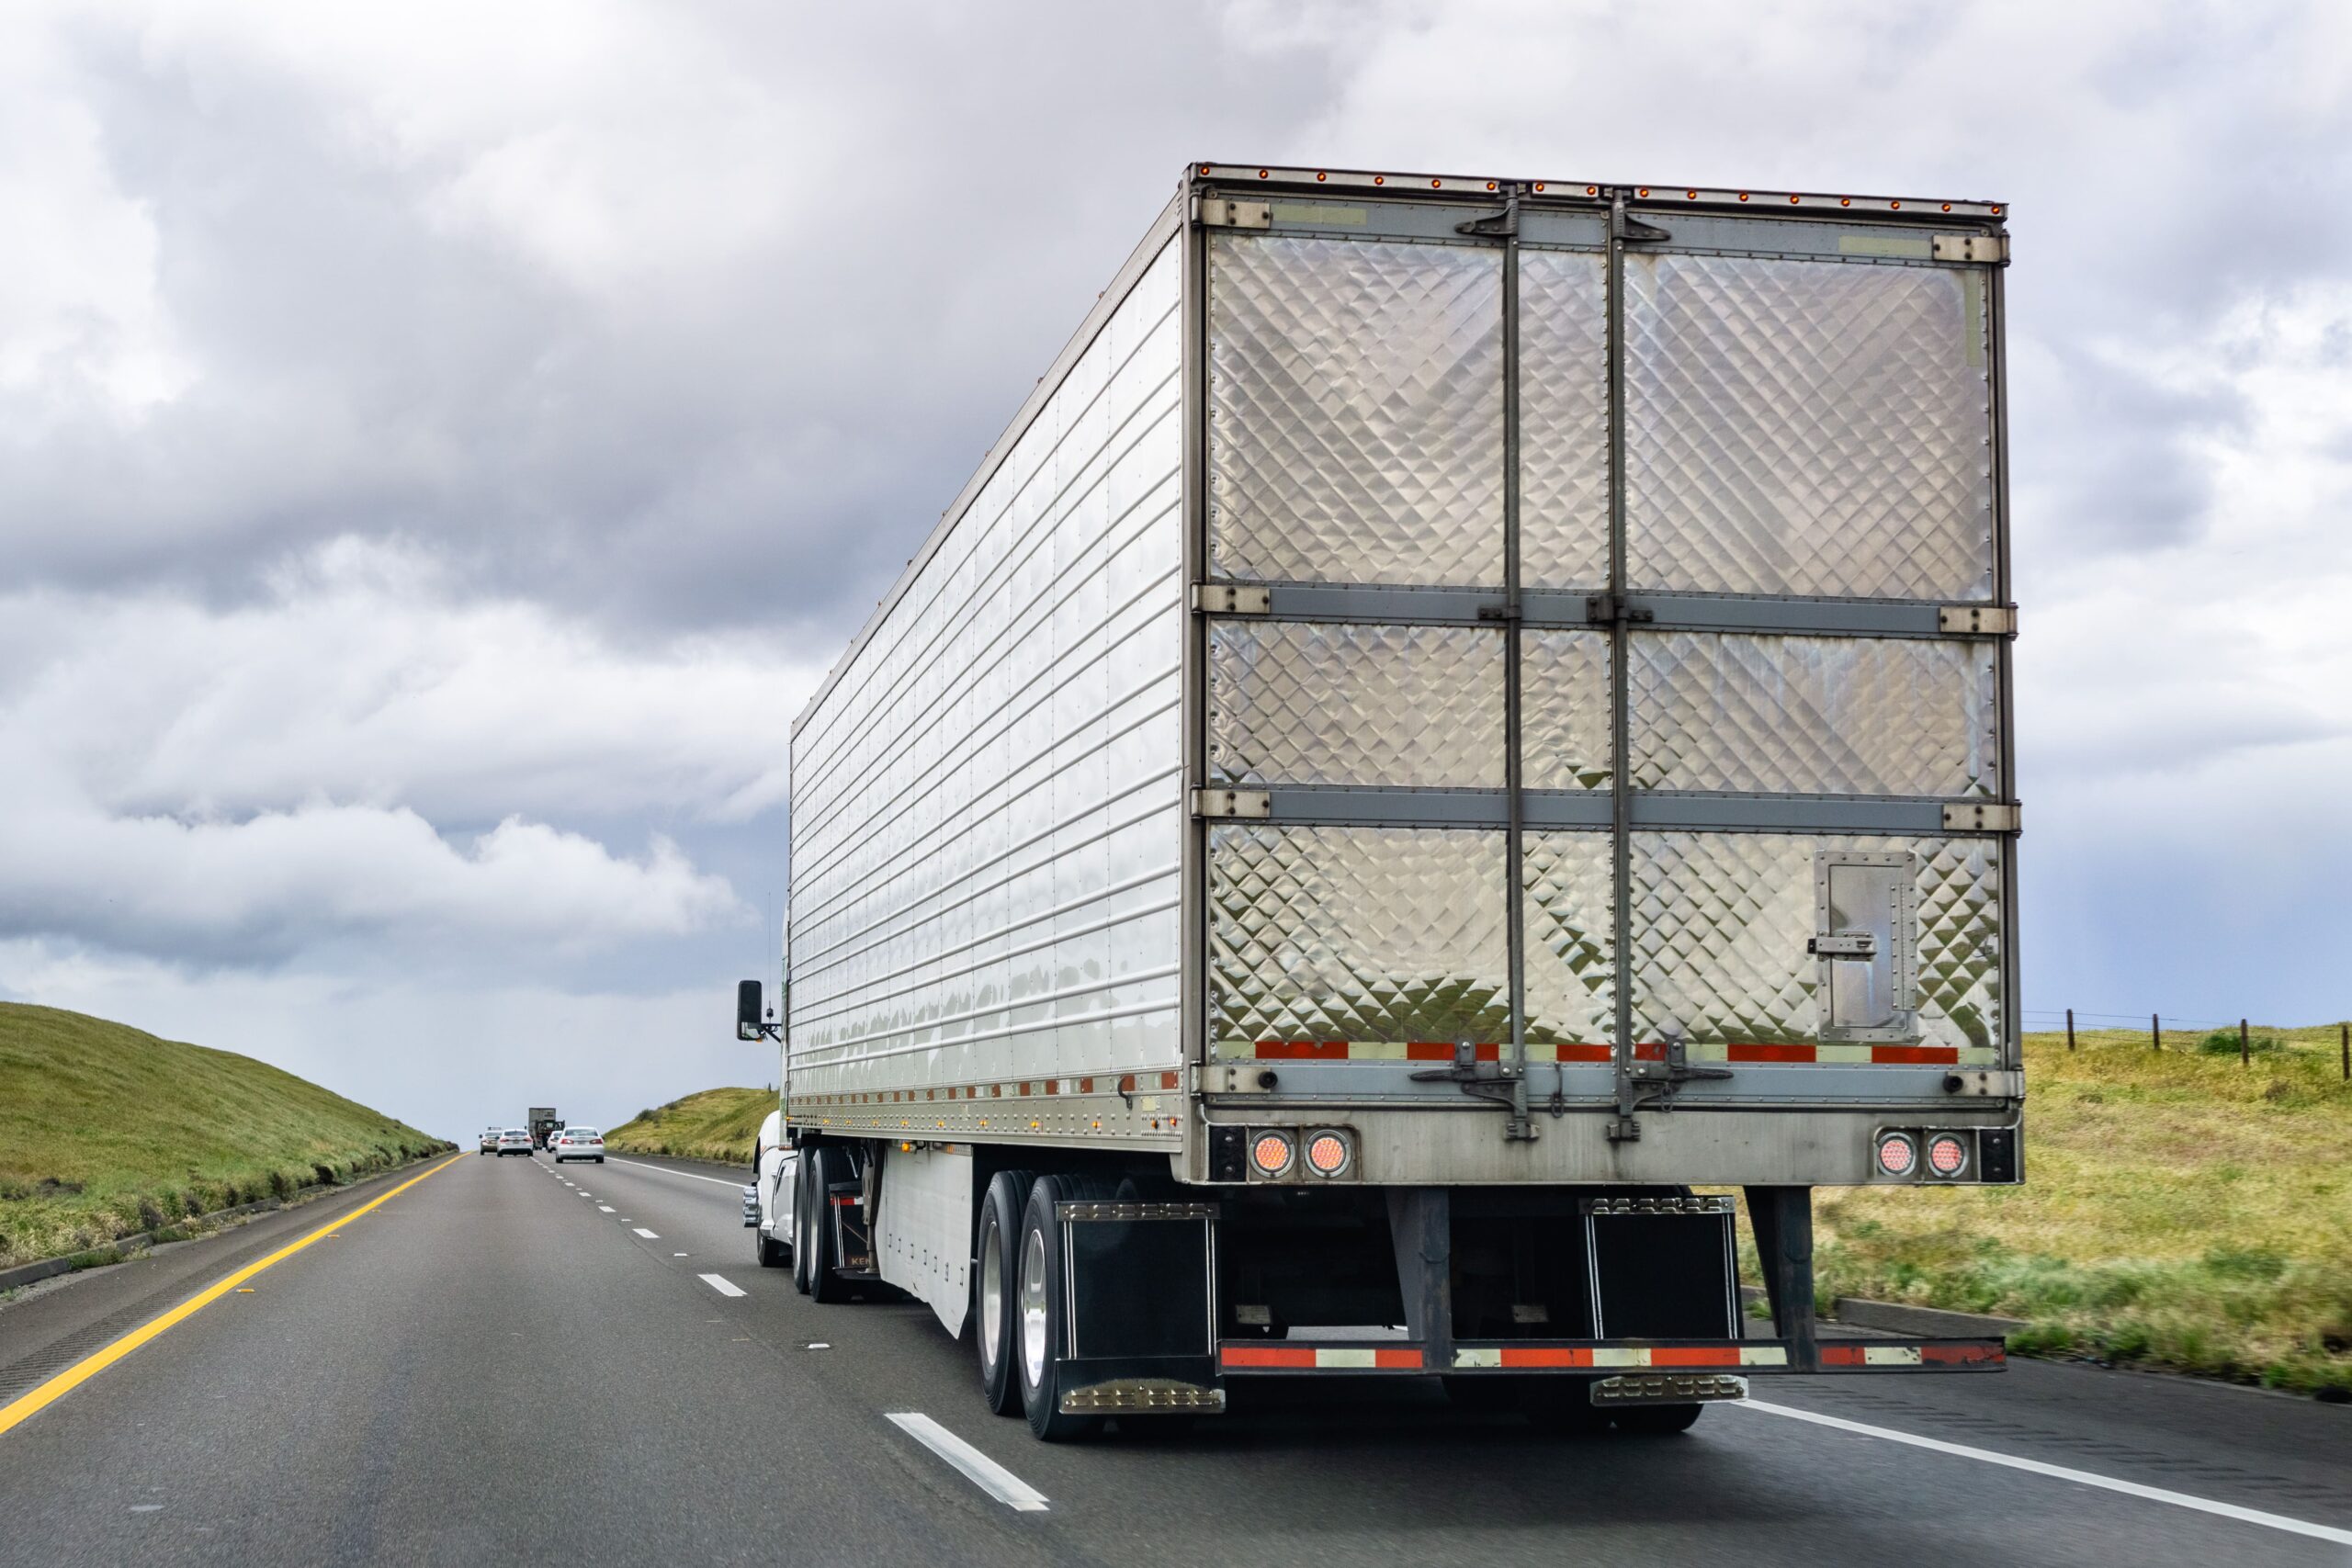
[[502, 1361]]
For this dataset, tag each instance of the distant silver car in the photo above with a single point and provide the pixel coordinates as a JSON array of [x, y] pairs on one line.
[[514, 1141], [489, 1140], [578, 1142]]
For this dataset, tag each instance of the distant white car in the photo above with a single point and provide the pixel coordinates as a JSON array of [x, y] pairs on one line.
[[578, 1142], [767, 1201], [514, 1141]]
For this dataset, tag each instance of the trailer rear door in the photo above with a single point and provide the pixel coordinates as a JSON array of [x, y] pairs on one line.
[[1631, 672]]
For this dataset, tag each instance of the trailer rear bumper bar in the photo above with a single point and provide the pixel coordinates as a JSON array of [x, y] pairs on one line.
[[1745, 1357]]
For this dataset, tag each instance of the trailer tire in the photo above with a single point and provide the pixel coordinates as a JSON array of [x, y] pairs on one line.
[[800, 1222], [1656, 1420], [1041, 1287], [996, 1261], [825, 1287]]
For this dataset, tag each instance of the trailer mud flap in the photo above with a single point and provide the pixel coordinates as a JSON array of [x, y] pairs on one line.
[[1137, 1351]]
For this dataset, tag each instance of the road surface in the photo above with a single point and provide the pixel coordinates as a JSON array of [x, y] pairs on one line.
[[587, 1367]]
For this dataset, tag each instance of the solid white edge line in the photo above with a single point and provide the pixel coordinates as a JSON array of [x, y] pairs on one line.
[[979, 1469], [689, 1175], [2062, 1472], [720, 1284]]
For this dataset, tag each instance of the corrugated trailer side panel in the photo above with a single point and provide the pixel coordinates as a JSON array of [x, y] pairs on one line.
[[988, 806]]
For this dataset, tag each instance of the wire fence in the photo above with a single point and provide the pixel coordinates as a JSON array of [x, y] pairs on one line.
[[2209, 1036]]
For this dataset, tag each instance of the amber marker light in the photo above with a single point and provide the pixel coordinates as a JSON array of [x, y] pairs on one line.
[[1742, 196], [1793, 200], [1845, 201], [1318, 176], [1326, 1153], [1894, 204], [1379, 179]]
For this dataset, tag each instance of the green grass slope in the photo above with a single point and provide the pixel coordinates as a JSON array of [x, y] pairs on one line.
[[2178, 1211], [107, 1131], [716, 1124]]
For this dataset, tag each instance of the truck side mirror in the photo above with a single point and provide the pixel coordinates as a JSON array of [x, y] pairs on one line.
[[747, 1010]]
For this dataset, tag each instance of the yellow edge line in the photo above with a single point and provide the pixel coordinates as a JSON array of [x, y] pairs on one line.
[[26, 1405]]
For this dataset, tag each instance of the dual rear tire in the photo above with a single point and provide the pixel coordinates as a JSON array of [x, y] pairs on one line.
[[1019, 1300]]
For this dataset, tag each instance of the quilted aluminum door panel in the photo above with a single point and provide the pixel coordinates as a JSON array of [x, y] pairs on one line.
[[1355, 943], [1355, 411], [1305, 702], [1814, 715], [1722, 929], [1806, 427]]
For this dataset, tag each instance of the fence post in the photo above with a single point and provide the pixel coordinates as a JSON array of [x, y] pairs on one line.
[[2343, 1041], [2155, 1032], [2244, 1057], [2070, 1029]]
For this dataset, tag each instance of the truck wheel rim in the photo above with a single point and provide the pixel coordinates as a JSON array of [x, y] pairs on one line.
[[1033, 1308], [991, 1295]]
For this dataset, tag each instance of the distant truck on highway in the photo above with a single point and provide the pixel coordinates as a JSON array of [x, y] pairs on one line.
[[1459, 713], [543, 1124]]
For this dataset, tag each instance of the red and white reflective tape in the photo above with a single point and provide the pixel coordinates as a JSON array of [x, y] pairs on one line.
[[1403, 1051], [1963, 1355], [1321, 1358], [1533, 1357], [1645, 1051]]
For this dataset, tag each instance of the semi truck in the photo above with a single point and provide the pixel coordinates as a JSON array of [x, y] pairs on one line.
[[1455, 756], [544, 1124]]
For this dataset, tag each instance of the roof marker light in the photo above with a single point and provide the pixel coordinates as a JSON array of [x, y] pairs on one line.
[[1742, 196], [1261, 174], [1690, 196], [1491, 185], [1947, 206], [1793, 200], [1893, 204], [1845, 201], [1379, 179], [1644, 192], [1318, 176], [1437, 184]]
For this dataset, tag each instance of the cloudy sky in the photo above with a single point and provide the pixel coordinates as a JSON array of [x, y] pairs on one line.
[[441, 444]]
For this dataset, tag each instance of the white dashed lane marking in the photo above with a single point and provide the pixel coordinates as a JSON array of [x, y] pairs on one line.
[[689, 1175], [979, 1469], [606, 1208], [650, 1237], [720, 1284], [2059, 1472]]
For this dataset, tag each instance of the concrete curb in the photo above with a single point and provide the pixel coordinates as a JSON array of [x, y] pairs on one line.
[[122, 1247], [1893, 1317]]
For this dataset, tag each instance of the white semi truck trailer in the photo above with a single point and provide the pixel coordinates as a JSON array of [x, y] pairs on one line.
[[1460, 715]]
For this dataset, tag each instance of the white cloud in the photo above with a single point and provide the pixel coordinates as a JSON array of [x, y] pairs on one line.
[[358, 753]]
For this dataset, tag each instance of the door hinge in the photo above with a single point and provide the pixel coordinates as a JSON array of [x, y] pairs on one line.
[[1984, 818], [1990, 249], [1222, 212], [1232, 599], [1219, 804], [1608, 609], [1977, 620]]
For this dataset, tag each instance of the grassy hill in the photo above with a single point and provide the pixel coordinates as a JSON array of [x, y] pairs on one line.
[[105, 1131], [716, 1124], [2178, 1211]]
